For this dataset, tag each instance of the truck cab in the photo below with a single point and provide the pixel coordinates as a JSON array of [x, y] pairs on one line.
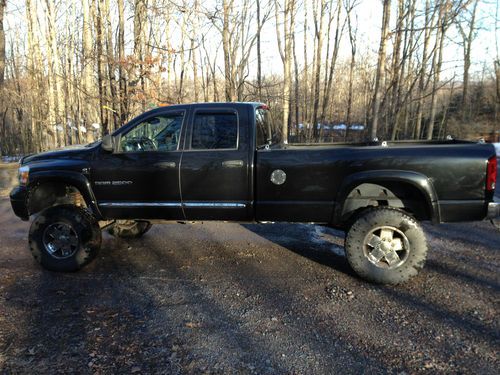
[[180, 163]]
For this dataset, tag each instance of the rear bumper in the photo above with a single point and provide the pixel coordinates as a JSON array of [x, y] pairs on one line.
[[18, 200], [493, 209]]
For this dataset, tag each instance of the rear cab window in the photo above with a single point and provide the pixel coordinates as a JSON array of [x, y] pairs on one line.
[[217, 130], [266, 134]]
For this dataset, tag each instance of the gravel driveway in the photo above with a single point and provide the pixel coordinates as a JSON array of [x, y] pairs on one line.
[[229, 298]]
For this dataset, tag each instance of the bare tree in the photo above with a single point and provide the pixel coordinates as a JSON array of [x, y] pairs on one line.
[[285, 51], [379, 78], [352, 30], [227, 8], [336, 44], [318, 34], [54, 73], [2, 43], [467, 29]]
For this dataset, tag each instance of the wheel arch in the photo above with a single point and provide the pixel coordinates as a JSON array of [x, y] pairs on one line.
[[401, 189], [47, 189]]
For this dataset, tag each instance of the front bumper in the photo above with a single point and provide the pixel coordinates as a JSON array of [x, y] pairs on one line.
[[18, 200], [493, 209]]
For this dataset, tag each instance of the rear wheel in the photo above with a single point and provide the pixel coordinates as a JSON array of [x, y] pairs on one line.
[[129, 228], [64, 238], [386, 245]]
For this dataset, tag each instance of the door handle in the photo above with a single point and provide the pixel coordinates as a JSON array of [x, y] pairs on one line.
[[232, 163], [165, 164]]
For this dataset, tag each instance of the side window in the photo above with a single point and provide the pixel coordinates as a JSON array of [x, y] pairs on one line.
[[261, 127], [213, 131], [266, 132], [158, 133]]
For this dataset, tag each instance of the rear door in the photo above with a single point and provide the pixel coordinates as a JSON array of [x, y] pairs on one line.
[[214, 172]]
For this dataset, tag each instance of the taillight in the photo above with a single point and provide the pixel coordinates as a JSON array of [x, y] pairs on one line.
[[491, 173]]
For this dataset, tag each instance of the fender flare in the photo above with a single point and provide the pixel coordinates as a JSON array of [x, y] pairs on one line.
[[417, 180], [72, 178]]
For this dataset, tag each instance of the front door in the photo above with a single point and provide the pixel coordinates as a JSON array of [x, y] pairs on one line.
[[214, 167], [141, 178]]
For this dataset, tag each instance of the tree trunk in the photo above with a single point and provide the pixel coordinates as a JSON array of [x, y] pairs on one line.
[[317, 70], [87, 69], [443, 19], [259, 55], [227, 6], [421, 86], [397, 61], [352, 41], [467, 41], [286, 57], [2, 44], [55, 90], [333, 62], [122, 79], [100, 65], [140, 50], [113, 100], [379, 78]]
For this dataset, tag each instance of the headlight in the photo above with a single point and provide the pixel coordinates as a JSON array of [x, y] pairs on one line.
[[24, 173]]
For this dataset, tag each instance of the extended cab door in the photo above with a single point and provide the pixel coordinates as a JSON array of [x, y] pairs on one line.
[[140, 179], [215, 168]]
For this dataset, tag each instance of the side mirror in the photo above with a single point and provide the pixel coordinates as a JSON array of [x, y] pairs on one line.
[[107, 143]]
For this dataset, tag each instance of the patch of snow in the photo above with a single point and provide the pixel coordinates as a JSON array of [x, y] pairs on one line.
[[320, 237]]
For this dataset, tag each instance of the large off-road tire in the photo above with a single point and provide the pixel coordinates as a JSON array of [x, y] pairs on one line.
[[129, 228], [386, 245], [64, 238]]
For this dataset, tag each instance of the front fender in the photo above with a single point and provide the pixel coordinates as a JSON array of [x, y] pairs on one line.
[[418, 180]]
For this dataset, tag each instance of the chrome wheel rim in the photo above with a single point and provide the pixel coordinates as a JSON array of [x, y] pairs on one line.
[[386, 247], [60, 240]]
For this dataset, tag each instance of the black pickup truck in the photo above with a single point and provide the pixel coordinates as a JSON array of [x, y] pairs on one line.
[[225, 161]]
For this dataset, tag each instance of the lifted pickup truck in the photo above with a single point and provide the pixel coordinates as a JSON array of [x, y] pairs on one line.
[[224, 161]]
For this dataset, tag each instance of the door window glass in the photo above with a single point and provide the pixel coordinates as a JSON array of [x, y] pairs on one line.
[[267, 133], [157, 133], [215, 131], [262, 128]]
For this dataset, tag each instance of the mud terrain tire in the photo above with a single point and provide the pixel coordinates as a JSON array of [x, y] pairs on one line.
[[386, 246], [64, 238]]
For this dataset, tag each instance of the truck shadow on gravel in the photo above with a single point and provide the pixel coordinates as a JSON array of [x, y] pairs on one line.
[[255, 323], [322, 245]]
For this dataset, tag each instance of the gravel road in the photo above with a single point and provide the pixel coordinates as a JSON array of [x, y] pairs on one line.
[[265, 299]]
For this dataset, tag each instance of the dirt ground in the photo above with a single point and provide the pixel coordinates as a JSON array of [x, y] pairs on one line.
[[264, 299], [8, 177]]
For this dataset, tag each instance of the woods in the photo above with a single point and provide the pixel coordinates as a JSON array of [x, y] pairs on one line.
[[73, 71]]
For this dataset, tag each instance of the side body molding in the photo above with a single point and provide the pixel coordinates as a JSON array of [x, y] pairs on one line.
[[76, 179], [417, 180]]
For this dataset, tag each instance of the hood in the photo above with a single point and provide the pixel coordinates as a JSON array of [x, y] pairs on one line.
[[69, 152]]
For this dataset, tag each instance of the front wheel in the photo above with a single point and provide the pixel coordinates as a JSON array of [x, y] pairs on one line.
[[386, 245], [64, 238]]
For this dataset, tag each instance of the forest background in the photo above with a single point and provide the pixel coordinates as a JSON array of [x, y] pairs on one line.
[[72, 71]]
